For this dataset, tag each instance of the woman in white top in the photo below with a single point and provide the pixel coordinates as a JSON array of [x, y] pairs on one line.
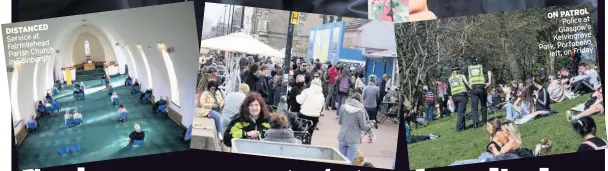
[[359, 85], [114, 96], [77, 114], [312, 101], [67, 116]]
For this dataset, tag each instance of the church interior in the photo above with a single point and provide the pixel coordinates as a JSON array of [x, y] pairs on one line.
[[119, 84]]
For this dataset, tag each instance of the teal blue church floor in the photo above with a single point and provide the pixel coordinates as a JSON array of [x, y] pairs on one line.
[[101, 137]]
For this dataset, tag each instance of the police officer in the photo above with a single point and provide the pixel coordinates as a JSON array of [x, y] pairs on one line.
[[479, 95], [457, 92]]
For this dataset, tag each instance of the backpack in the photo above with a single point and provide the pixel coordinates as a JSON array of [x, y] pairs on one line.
[[344, 85], [589, 143]]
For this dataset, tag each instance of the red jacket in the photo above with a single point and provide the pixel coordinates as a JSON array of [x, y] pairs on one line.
[[333, 73]]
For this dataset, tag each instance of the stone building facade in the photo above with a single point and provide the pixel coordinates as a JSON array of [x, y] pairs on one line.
[[270, 27]]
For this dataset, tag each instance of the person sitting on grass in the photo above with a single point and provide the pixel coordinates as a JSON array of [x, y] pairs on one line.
[[542, 102], [493, 126], [594, 105], [414, 139], [521, 107], [280, 130], [586, 128], [509, 136]]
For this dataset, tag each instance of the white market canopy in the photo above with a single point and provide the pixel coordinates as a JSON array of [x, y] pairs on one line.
[[242, 43], [387, 53]]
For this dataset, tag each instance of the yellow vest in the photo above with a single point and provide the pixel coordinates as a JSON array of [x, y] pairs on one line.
[[456, 85], [476, 76]]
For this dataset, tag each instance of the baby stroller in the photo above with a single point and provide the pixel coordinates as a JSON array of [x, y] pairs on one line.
[[300, 128]]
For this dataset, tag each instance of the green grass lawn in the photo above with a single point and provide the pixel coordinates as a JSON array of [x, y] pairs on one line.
[[469, 144]]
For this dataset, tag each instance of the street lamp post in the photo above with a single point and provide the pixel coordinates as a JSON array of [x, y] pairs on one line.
[[286, 64]]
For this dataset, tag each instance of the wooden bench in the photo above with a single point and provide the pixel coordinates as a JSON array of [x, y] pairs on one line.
[[204, 135]]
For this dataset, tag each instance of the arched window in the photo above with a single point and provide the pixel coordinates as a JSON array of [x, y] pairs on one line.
[[87, 49]]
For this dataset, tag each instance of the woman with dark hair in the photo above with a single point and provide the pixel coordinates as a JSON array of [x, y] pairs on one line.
[[251, 78], [251, 122], [586, 128], [212, 101], [493, 126], [542, 102], [521, 105]]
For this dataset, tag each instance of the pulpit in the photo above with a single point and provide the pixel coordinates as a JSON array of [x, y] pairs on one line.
[[89, 66]]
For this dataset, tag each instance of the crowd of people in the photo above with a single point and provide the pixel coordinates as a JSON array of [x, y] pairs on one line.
[[522, 101], [254, 111]]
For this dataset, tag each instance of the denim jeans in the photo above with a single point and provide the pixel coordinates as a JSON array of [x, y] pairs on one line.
[[429, 110], [511, 112], [482, 158], [348, 150], [218, 121], [341, 100]]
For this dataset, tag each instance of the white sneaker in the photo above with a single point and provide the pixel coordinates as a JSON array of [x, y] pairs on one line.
[[219, 136], [569, 116]]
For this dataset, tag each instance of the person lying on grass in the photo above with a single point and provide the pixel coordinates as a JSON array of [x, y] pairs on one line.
[[593, 105]]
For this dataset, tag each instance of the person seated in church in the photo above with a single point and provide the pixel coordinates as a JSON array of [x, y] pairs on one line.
[[68, 116], [48, 97], [75, 94], [162, 101], [43, 107], [77, 115], [110, 89], [128, 81], [33, 122], [136, 85], [81, 92], [56, 106], [138, 134], [122, 109], [114, 96], [148, 91]]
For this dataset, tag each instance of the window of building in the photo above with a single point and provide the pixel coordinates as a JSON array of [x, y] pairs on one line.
[[87, 49], [147, 65], [132, 62], [172, 76], [299, 30], [35, 83], [15, 98], [263, 26]]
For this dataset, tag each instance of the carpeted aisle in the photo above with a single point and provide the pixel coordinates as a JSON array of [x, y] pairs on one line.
[[101, 136]]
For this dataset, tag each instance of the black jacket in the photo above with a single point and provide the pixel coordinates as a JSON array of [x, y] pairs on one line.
[[263, 88], [296, 89], [137, 135]]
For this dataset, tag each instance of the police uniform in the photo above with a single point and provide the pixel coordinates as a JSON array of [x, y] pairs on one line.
[[479, 95], [458, 90]]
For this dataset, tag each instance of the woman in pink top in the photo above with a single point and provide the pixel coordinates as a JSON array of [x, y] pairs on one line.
[[121, 109]]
